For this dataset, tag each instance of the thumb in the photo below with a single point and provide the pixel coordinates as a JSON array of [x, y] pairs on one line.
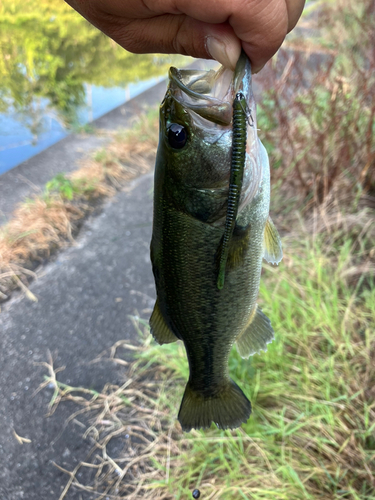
[[174, 34], [208, 41], [225, 49]]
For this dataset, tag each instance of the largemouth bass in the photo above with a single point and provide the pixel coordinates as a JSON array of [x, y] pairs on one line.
[[207, 283]]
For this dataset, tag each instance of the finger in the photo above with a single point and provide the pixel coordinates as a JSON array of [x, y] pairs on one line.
[[261, 25], [262, 34], [178, 34], [166, 33], [196, 28], [295, 9], [209, 12]]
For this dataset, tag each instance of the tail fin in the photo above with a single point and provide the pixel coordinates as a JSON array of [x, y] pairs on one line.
[[228, 409]]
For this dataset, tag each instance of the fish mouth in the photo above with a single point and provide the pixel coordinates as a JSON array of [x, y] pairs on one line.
[[210, 94]]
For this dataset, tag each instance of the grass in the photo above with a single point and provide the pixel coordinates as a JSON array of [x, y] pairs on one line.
[[47, 222], [312, 431]]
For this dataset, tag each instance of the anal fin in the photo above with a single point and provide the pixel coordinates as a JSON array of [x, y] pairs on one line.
[[273, 252], [159, 328], [256, 335]]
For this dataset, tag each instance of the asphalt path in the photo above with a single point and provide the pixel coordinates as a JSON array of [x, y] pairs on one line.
[[85, 298]]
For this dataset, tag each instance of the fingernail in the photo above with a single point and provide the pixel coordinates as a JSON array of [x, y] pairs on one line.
[[225, 52]]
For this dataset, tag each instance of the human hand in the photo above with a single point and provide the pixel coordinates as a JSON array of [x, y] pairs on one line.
[[208, 29]]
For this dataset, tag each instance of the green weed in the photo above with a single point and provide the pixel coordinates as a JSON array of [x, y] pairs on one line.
[[61, 185], [101, 156], [145, 128], [312, 430], [86, 128]]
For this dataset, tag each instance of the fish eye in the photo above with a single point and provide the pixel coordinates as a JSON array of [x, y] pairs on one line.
[[177, 136]]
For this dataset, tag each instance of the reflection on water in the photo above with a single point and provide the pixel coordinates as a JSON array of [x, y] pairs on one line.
[[57, 72]]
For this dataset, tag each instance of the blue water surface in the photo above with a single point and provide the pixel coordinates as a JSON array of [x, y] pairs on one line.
[[20, 140]]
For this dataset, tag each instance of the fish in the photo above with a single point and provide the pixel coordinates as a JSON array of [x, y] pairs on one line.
[[207, 276]]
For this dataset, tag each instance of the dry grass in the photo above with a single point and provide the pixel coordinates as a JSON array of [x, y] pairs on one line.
[[317, 120], [318, 117], [127, 418], [155, 448], [47, 222], [36, 229], [334, 225]]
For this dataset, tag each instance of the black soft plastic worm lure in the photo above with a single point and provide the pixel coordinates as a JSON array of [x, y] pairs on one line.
[[240, 120]]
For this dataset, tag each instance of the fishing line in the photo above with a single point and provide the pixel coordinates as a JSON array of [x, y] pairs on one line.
[[241, 117]]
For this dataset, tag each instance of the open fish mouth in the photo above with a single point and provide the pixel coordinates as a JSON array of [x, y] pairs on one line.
[[210, 94], [203, 103]]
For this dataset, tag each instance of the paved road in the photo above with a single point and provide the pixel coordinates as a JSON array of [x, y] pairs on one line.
[[78, 315]]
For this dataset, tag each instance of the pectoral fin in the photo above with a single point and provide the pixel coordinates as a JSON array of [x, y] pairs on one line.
[[273, 252], [256, 335], [159, 329], [237, 248]]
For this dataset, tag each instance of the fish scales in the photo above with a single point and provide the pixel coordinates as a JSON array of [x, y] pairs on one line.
[[190, 203]]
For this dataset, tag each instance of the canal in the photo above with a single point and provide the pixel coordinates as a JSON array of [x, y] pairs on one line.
[[58, 73]]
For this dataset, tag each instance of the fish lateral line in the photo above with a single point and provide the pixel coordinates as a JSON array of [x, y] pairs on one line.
[[241, 113]]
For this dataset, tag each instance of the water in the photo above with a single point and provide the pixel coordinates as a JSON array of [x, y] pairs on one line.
[[18, 141], [58, 73]]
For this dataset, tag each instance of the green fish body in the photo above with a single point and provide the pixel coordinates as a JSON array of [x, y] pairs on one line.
[[190, 207]]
